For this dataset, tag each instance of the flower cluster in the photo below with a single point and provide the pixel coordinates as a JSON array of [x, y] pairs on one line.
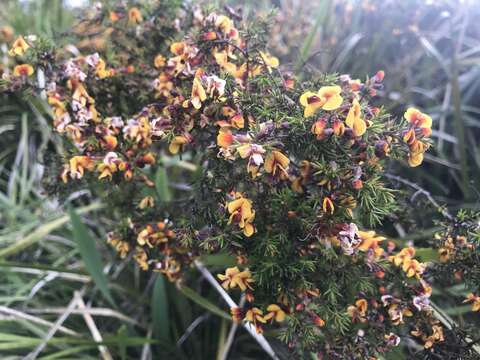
[[211, 133], [420, 127], [405, 260], [458, 246]]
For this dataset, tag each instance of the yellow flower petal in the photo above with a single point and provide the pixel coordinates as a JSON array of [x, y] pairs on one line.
[[235, 205], [248, 230], [333, 103], [415, 159], [359, 127], [304, 98], [331, 97], [23, 70]]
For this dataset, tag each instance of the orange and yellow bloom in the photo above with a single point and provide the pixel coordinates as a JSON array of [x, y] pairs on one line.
[[241, 213], [23, 70], [233, 277], [327, 98], [19, 47], [224, 138], [275, 312], [409, 265], [419, 120], [318, 129], [277, 163], [76, 167], [475, 300], [354, 119], [269, 60], [370, 242], [159, 61], [255, 316], [134, 16], [358, 311], [420, 125], [198, 93], [177, 144]]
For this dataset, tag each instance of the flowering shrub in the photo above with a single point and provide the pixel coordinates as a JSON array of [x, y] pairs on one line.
[[283, 174]]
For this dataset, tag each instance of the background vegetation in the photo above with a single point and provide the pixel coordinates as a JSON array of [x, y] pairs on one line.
[[61, 290]]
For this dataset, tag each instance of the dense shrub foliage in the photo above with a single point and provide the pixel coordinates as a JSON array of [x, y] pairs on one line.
[[286, 175]]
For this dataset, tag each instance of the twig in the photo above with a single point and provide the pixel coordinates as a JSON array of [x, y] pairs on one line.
[[147, 349], [15, 314], [192, 327], [93, 328], [33, 355], [40, 284], [422, 191], [249, 327], [59, 274], [90, 311]]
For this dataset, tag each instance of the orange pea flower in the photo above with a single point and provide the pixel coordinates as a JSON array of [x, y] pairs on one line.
[[419, 120], [134, 16], [198, 93], [233, 277], [327, 205], [475, 300], [19, 47], [241, 213], [23, 70], [370, 241], [159, 61], [224, 138], [255, 316], [318, 128], [354, 119], [327, 98], [276, 162], [275, 312], [177, 144]]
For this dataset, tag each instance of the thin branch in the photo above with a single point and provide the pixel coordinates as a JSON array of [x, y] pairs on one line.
[[93, 328], [90, 311], [147, 349], [59, 274], [249, 327], [15, 314], [422, 191], [56, 326], [192, 327]]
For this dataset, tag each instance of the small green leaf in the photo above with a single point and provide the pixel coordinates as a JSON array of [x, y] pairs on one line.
[[90, 255]]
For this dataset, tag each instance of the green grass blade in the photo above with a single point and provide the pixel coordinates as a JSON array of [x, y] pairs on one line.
[[460, 130], [42, 231], [322, 12], [161, 184], [206, 304], [160, 309], [90, 254], [64, 354]]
